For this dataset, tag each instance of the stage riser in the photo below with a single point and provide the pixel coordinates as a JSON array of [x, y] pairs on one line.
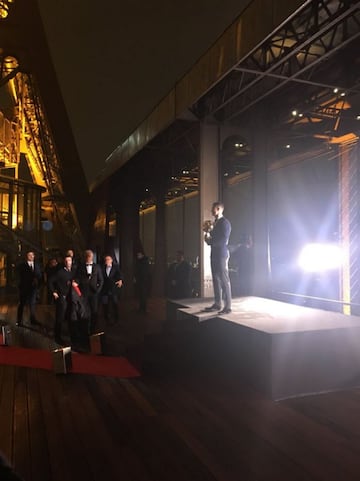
[[282, 364]]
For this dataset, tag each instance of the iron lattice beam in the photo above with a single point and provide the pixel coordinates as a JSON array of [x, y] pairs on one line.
[[290, 54]]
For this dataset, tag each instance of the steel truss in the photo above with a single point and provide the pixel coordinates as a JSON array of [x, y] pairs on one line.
[[291, 54]]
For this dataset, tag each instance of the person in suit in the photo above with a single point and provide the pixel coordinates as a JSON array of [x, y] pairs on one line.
[[218, 239], [70, 252], [110, 292], [50, 270], [91, 282], [60, 286], [29, 280]]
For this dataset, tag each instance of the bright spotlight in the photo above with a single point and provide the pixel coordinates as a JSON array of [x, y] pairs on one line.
[[320, 257]]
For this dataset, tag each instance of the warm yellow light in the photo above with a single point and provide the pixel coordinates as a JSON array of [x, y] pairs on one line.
[[4, 8]]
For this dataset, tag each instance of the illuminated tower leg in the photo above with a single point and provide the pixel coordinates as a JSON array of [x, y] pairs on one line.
[[209, 193]]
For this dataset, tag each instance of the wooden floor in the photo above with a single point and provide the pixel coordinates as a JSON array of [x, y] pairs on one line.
[[189, 418]]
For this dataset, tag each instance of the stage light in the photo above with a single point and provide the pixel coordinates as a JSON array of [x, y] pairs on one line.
[[358, 117], [319, 257], [336, 90], [294, 113], [342, 94], [287, 146]]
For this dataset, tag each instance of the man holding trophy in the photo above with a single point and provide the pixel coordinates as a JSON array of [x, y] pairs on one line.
[[217, 236]]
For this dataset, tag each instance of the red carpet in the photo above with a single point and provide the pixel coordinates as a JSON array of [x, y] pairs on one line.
[[81, 363]]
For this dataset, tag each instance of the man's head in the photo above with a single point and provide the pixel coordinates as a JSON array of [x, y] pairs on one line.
[[53, 262], [139, 255], [89, 256], [70, 253], [108, 260], [217, 209], [68, 262], [30, 256]]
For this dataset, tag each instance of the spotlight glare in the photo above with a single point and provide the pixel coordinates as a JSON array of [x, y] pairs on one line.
[[318, 257]]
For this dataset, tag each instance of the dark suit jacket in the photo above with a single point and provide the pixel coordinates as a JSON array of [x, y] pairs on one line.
[[219, 238], [29, 280], [61, 282], [90, 285], [109, 287]]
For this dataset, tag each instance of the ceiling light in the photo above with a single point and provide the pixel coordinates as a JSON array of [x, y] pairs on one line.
[[301, 115], [342, 94], [358, 117], [226, 174], [294, 113], [336, 90], [287, 146]]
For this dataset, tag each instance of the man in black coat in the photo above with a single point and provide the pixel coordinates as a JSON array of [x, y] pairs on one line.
[[110, 293], [29, 277], [91, 282], [218, 239], [60, 286]]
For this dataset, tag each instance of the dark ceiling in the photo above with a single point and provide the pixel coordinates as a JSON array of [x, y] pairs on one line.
[[115, 60]]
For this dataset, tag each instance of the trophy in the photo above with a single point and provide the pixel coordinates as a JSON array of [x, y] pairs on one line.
[[208, 226]]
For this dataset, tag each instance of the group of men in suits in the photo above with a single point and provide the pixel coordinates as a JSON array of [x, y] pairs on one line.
[[77, 289]]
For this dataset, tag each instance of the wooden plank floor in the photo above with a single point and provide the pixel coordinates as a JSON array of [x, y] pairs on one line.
[[189, 418]]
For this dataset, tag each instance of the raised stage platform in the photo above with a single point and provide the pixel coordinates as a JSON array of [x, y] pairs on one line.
[[283, 349]]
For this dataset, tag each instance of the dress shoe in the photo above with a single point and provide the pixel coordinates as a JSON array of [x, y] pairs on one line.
[[226, 310], [214, 307]]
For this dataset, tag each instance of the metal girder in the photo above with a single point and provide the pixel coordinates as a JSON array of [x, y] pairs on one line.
[[9, 76], [291, 53]]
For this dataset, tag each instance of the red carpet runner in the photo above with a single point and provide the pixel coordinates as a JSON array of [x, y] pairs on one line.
[[81, 363]]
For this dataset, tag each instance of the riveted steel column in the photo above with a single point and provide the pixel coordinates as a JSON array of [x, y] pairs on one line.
[[349, 176], [209, 193]]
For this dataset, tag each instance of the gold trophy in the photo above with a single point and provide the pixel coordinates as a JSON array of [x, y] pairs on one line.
[[208, 226]]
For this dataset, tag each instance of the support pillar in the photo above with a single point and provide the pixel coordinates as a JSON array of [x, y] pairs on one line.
[[261, 154], [160, 267], [209, 193], [128, 235]]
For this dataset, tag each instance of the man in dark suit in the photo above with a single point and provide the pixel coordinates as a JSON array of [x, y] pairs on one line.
[[60, 286], [218, 239], [110, 293], [91, 281], [29, 276]]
